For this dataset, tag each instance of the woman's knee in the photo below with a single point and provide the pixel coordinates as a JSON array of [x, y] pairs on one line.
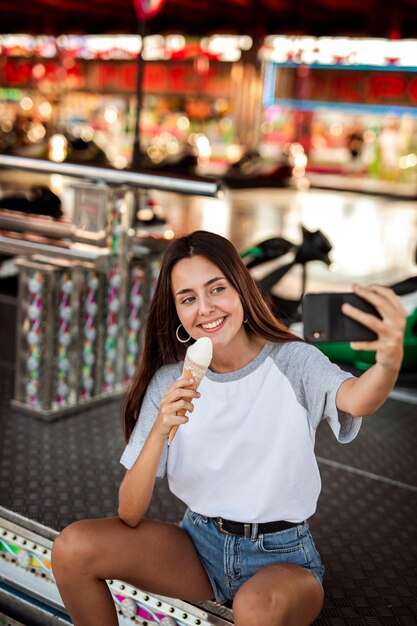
[[73, 549], [282, 595], [252, 607]]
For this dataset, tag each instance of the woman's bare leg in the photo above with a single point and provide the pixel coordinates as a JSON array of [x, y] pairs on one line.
[[155, 556], [278, 595]]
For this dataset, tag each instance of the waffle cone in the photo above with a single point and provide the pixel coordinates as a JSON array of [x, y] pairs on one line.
[[197, 371]]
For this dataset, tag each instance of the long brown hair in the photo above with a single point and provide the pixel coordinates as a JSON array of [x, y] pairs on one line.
[[161, 346]]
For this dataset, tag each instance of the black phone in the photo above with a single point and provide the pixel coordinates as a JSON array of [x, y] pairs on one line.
[[324, 321]]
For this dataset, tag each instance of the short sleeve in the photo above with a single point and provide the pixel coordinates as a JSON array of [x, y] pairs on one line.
[[322, 380], [316, 381], [147, 416], [344, 425]]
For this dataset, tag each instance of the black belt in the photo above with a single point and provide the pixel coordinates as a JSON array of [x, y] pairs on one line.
[[238, 528]]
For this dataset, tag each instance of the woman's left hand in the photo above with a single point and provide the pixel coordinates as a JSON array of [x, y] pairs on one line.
[[389, 345]]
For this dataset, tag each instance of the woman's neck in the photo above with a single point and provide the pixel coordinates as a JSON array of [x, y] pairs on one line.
[[232, 358]]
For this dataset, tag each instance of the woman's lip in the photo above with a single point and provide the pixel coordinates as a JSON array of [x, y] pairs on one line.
[[211, 330]]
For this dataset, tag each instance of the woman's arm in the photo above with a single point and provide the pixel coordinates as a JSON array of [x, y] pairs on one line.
[[137, 486], [362, 396]]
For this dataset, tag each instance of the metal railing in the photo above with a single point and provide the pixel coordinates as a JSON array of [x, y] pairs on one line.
[[201, 186]]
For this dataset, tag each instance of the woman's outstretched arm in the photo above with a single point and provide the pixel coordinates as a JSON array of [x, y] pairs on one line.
[[363, 395]]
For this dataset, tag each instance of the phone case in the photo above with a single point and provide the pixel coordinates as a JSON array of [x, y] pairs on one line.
[[324, 321]]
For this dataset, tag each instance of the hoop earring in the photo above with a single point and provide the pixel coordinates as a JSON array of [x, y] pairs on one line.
[[245, 321], [178, 336]]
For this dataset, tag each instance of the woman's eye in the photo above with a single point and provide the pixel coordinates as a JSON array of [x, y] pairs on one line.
[[218, 289], [187, 300]]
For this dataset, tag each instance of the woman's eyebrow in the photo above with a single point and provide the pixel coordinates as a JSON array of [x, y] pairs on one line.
[[207, 284]]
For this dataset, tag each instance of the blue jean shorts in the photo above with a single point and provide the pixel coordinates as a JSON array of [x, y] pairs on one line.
[[230, 560]]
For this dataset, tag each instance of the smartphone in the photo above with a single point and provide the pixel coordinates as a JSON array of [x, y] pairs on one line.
[[324, 321]]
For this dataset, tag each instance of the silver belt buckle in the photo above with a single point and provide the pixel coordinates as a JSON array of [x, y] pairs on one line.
[[219, 522], [247, 530]]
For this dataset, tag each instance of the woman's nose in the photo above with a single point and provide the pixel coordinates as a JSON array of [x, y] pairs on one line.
[[206, 307]]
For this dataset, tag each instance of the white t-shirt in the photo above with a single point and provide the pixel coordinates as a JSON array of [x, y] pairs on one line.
[[247, 452]]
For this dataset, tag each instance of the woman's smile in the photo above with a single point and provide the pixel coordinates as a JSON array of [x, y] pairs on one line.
[[213, 325]]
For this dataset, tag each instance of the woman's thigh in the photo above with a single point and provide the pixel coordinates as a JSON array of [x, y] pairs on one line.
[[155, 556], [281, 594]]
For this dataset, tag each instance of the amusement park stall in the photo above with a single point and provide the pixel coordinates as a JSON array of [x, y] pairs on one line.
[[199, 97], [349, 104]]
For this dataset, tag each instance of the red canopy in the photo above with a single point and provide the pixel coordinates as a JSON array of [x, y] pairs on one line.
[[375, 18]]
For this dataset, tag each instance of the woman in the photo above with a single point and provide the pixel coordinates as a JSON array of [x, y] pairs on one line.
[[242, 459]]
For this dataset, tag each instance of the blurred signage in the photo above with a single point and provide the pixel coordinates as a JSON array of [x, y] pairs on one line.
[[10, 94], [343, 51], [49, 74], [353, 86], [154, 47], [116, 77]]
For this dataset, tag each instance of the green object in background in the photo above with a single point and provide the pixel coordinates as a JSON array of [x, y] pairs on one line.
[[255, 251]]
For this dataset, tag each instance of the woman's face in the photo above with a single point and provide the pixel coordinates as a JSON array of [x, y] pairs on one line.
[[206, 303]]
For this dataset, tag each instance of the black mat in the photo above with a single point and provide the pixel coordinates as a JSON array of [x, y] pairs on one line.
[[365, 527]]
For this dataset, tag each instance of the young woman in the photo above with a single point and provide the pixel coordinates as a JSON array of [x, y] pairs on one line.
[[243, 458]]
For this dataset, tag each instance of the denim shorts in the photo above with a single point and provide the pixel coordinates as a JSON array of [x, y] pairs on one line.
[[230, 560]]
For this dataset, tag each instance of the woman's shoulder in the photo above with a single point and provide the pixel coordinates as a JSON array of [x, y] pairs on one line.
[[301, 360], [163, 378], [169, 372], [294, 350]]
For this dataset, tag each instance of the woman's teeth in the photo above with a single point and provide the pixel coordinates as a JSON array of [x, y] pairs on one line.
[[212, 325]]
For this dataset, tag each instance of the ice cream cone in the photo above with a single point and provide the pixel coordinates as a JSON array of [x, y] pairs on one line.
[[197, 359]]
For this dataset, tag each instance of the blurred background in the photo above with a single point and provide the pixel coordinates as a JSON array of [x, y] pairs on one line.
[[324, 85], [289, 128]]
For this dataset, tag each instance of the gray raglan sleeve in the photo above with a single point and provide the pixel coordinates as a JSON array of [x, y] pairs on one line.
[[147, 416], [323, 379], [317, 391]]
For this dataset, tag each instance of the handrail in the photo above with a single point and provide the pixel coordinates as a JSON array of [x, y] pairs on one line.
[[75, 251], [201, 186]]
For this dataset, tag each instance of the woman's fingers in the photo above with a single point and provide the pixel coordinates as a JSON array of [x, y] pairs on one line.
[[182, 383], [385, 300], [387, 303], [367, 319], [389, 328], [176, 403], [177, 393]]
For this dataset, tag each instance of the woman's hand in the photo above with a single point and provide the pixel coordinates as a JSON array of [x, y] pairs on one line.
[[174, 404], [390, 329]]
